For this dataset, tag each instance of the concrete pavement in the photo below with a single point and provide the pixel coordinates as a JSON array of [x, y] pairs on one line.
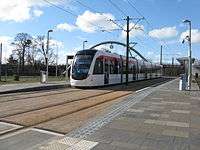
[[26, 87]]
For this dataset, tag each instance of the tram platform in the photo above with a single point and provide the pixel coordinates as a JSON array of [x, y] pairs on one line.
[[166, 119], [29, 87]]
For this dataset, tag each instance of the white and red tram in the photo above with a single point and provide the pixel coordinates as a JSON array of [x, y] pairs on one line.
[[99, 68]]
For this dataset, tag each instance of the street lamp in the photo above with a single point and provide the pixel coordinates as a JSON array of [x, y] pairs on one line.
[[47, 53], [189, 54], [84, 44]]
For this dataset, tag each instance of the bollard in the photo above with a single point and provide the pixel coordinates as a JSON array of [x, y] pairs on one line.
[[182, 82]]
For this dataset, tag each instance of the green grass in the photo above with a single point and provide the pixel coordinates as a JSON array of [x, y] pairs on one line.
[[28, 79]]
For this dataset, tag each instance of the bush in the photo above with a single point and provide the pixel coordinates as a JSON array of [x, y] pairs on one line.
[[16, 77]]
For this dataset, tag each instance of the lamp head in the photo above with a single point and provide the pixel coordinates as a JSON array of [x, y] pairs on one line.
[[50, 30], [186, 21]]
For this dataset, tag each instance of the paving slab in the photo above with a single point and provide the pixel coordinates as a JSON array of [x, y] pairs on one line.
[[25, 139]]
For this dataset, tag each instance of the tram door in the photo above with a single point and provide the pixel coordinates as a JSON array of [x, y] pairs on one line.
[[106, 73]]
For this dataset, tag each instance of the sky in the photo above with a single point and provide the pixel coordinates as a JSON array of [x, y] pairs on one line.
[[74, 21]]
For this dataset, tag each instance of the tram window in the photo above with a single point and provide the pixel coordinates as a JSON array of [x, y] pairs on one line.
[[98, 68], [116, 67], [111, 67]]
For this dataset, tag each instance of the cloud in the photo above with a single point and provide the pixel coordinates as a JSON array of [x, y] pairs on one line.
[[91, 22], [150, 55], [21, 10], [56, 43], [164, 33], [66, 27], [37, 12], [195, 35], [138, 30], [7, 47]]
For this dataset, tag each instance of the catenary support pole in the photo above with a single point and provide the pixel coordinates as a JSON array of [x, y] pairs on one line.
[[127, 49], [0, 59]]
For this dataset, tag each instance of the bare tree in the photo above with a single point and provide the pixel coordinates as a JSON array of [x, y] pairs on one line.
[[41, 49], [32, 53], [21, 42]]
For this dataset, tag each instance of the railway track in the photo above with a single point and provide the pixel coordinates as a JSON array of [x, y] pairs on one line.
[[17, 98], [28, 124], [53, 105], [36, 118]]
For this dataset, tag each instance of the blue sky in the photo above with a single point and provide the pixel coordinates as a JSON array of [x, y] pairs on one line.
[[164, 16]]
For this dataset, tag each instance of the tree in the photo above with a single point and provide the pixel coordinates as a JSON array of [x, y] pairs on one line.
[[21, 42], [12, 60], [41, 49], [31, 53]]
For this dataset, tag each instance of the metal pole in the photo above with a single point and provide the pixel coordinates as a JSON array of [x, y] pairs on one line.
[[0, 59], [47, 55], [57, 61], [47, 61], [172, 61], [161, 54], [84, 44], [127, 49], [190, 59], [66, 74]]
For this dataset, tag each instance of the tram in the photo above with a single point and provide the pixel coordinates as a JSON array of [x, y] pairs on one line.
[[91, 68]]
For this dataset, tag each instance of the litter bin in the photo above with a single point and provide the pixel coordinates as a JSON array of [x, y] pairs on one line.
[[182, 82], [43, 78]]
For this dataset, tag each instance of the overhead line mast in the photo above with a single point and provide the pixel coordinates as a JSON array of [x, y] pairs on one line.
[[127, 48], [128, 30]]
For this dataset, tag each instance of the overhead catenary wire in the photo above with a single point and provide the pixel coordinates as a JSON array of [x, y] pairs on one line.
[[131, 4], [137, 11], [117, 7], [58, 7], [86, 6], [71, 13]]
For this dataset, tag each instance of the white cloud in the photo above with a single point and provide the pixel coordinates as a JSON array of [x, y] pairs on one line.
[[195, 35], [137, 30], [66, 27], [90, 22], [150, 55], [56, 43], [21, 10], [37, 12], [164, 33], [7, 47]]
